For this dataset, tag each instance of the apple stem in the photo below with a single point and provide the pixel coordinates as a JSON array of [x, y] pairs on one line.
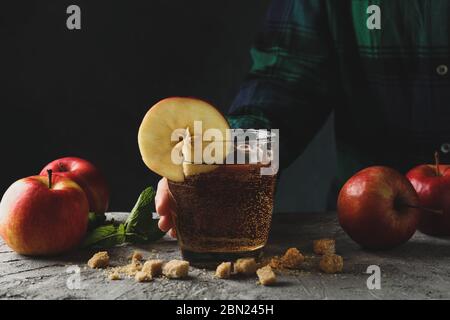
[[49, 173], [423, 208], [437, 160]]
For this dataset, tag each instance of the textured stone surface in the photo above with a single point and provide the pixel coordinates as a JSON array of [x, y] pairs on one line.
[[419, 269]]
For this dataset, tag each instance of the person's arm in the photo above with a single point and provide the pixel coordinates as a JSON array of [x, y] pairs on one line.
[[291, 83]]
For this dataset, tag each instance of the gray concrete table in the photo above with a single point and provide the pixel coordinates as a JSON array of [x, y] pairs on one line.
[[419, 269]]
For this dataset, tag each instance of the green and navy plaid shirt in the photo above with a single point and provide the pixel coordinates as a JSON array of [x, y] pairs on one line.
[[389, 88]]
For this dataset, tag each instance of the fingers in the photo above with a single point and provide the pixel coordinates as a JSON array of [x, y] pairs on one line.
[[173, 233], [165, 223], [165, 206], [164, 202]]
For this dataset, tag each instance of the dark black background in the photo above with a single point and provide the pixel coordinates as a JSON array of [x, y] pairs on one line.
[[84, 92]]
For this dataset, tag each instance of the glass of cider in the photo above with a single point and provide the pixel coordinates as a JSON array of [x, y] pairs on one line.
[[225, 213]]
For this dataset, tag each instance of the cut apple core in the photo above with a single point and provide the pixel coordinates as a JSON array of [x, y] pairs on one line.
[[158, 145]]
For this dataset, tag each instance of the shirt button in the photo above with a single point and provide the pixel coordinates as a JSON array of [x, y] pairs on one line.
[[442, 70], [445, 148]]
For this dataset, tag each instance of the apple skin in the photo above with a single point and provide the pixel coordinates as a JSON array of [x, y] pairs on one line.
[[87, 176], [37, 220], [434, 193], [370, 210]]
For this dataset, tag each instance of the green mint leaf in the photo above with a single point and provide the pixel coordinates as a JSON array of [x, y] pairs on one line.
[[95, 220], [140, 227], [105, 236]]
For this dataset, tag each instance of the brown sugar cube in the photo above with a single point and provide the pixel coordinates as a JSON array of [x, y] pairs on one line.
[[324, 246], [142, 276], [136, 257], [266, 276], [292, 259], [176, 269], [114, 275], [331, 263], [246, 266], [223, 270], [99, 260], [153, 267], [275, 263]]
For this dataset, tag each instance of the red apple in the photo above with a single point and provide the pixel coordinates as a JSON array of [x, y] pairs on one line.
[[432, 183], [39, 217], [377, 208], [87, 176]]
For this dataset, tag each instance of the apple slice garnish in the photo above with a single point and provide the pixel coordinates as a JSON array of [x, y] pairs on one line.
[[159, 124]]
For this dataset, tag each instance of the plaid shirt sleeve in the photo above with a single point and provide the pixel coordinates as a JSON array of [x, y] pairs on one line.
[[290, 85]]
